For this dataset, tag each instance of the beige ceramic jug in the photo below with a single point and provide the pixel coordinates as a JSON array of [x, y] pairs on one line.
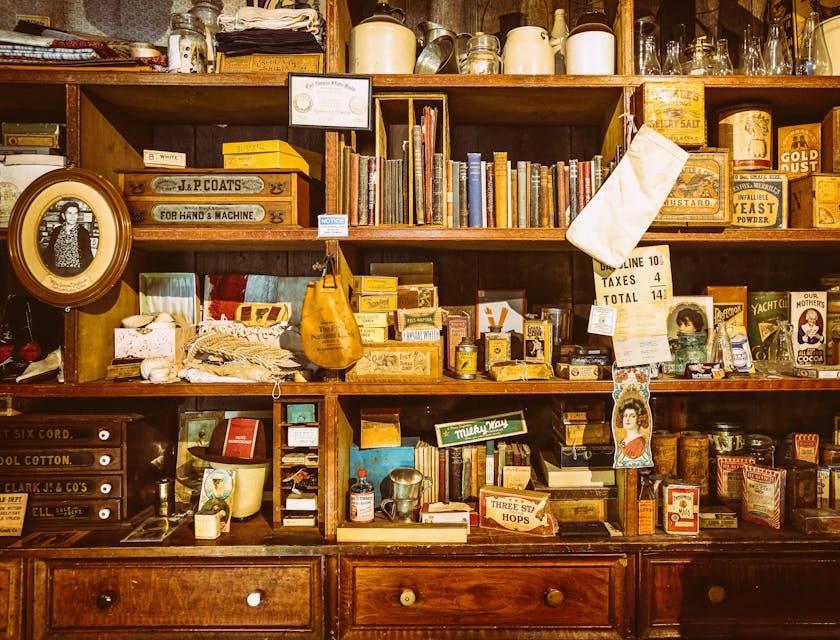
[[382, 43], [527, 51]]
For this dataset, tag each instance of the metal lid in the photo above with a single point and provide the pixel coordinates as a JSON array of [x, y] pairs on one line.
[[727, 426], [187, 21]]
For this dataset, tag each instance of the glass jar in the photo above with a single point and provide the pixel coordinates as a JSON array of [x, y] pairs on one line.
[[187, 45], [691, 347], [483, 54], [208, 11], [762, 448], [700, 55]]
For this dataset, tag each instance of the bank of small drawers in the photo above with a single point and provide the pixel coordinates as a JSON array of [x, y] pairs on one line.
[[476, 596], [204, 597], [786, 595]]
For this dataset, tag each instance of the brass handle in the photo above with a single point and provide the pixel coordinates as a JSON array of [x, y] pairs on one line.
[[106, 600], [407, 597], [716, 594], [255, 598], [554, 598]]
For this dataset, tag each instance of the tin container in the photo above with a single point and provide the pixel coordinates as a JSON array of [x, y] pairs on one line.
[[165, 497], [676, 109], [762, 448], [726, 438], [663, 446], [765, 310], [747, 130], [680, 507], [693, 460], [466, 360], [830, 454]]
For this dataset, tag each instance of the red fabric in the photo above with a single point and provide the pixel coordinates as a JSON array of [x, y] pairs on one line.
[[226, 293]]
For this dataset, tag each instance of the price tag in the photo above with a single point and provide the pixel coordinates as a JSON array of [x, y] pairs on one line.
[[332, 226], [643, 278]]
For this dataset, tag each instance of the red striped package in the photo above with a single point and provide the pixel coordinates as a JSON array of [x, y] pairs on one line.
[[763, 501]]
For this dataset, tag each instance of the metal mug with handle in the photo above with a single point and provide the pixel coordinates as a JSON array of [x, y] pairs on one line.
[[407, 483]]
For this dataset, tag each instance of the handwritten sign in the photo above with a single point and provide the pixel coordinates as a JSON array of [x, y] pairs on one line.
[[644, 277], [450, 434], [12, 513]]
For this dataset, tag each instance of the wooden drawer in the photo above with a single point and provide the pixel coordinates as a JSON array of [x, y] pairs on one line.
[[481, 597], [792, 595], [210, 597], [11, 600]]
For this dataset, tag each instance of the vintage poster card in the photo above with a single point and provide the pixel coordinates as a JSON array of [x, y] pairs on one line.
[[639, 290], [12, 513], [632, 421]]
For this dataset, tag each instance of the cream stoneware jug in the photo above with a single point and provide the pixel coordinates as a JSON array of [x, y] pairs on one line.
[[382, 44], [527, 51]]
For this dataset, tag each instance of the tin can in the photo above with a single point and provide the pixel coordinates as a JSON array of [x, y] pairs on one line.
[[726, 438], [762, 448], [747, 130], [693, 460], [165, 497], [663, 446], [830, 454], [466, 360]]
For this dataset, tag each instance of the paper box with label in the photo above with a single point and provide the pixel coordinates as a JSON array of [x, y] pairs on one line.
[[152, 342]]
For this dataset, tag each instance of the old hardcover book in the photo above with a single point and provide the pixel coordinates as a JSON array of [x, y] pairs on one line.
[[373, 190], [522, 179], [490, 194], [362, 190], [513, 198], [353, 189], [438, 191], [455, 472], [453, 217], [418, 171], [463, 197], [500, 182], [534, 206], [474, 189], [597, 172], [583, 177], [429, 125], [560, 179], [545, 198], [573, 189]]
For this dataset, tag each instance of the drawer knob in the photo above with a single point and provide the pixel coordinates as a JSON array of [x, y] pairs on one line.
[[554, 597], [104, 460], [106, 600], [255, 598], [104, 434], [408, 598], [105, 488], [716, 594]]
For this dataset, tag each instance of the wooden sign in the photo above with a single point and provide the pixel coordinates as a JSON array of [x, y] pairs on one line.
[[12, 512], [450, 434]]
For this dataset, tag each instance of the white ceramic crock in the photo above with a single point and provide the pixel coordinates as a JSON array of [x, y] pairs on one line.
[[382, 47], [527, 51], [591, 52]]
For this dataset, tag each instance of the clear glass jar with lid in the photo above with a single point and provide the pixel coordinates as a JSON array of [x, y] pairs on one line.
[[187, 45], [483, 55], [691, 347], [208, 11]]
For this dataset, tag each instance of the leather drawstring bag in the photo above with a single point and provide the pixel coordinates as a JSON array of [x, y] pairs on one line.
[[328, 328], [610, 226]]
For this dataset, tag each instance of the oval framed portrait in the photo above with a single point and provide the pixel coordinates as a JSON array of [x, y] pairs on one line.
[[69, 237]]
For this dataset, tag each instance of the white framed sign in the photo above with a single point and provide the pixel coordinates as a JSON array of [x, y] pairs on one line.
[[330, 101]]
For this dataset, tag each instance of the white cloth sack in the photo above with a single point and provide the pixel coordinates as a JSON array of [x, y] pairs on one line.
[[612, 223]]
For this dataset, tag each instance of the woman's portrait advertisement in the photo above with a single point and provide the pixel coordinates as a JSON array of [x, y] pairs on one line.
[[632, 422]]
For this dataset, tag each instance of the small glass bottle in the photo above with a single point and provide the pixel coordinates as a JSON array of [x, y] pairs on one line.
[[813, 58], [780, 354], [483, 55], [672, 65], [649, 64], [496, 347], [777, 59], [361, 498], [699, 62], [753, 62], [722, 64], [722, 350], [187, 51], [691, 347], [559, 35]]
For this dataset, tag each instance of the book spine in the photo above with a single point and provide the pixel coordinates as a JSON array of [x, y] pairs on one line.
[[346, 167], [535, 196], [474, 189], [545, 198], [513, 198], [453, 217], [405, 179], [352, 188], [490, 467], [490, 194], [463, 200], [584, 183], [522, 178], [456, 469], [419, 180], [362, 194], [573, 189], [438, 195], [500, 187], [373, 191], [560, 168], [441, 474], [597, 172], [552, 196]]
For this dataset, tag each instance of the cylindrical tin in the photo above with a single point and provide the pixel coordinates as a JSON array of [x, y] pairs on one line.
[[466, 360], [747, 131], [762, 448], [726, 438], [663, 446], [693, 460], [829, 454], [165, 497]]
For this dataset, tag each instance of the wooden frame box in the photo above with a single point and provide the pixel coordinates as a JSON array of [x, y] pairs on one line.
[[676, 109], [815, 201], [398, 362], [702, 194]]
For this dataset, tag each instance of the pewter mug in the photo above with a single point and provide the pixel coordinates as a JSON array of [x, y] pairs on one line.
[[407, 484]]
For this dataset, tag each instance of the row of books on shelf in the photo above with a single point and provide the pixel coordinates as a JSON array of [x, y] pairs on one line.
[[476, 193]]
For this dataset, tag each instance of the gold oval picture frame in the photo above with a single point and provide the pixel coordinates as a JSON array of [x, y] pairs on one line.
[[69, 237]]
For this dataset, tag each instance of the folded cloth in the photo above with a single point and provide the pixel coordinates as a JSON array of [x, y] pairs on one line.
[[239, 43], [20, 51], [257, 18]]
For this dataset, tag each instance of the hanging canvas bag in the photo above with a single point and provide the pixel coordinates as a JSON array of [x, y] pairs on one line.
[[328, 328]]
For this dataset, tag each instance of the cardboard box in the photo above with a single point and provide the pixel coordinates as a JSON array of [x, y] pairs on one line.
[[379, 428], [830, 142], [799, 150], [151, 343], [372, 303], [702, 193], [374, 284], [372, 319], [581, 433], [812, 520], [815, 202], [374, 335], [676, 109], [14, 179], [270, 63], [579, 510], [729, 304], [760, 200], [398, 362], [300, 412], [713, 517]]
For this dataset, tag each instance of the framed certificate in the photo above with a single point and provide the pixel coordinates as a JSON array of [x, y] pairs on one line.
[[69, 237], [330, 102]]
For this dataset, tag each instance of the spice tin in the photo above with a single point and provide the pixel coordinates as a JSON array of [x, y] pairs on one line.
[[747, 130], [663, 446], [539, 342], [702, 193], [815, 201], [693, 460], [800, 485], [726, 438], [496, 347], [676, 109], [680, 508], [807, 314], [466, 360], [165, 498]]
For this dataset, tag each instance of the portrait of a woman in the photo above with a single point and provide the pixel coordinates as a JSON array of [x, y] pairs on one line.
[[68, 251], [632, 417]]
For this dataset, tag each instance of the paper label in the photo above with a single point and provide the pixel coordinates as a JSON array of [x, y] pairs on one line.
[[602, 320], [332, 226], [12, 513]]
